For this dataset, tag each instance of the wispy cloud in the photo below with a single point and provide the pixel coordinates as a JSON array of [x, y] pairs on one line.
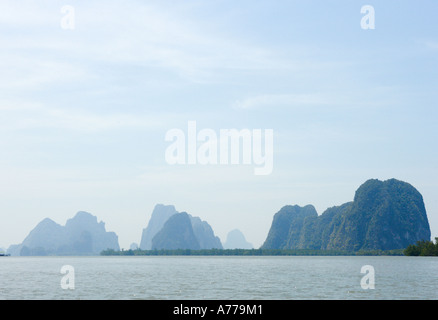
[[140, 38], [345, 97], [30, 73], [133, 34], [431, 44], [30, 115], [280, 100]]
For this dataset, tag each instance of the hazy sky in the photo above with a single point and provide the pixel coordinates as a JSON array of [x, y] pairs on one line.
[[84, 111]]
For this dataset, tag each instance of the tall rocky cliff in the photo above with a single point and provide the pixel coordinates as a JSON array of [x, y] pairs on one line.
[[177, 233], [159, 234], [384, 215], [160, 215]]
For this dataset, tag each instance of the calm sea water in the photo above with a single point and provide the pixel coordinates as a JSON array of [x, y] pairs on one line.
[[224, 278]]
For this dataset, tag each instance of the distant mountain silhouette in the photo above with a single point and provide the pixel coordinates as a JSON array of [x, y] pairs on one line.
[[177, 233], [81, 235], [204, 234], [384, 215], [236, 240], [159, 216]]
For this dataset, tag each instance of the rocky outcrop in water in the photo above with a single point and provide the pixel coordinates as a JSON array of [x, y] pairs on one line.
[[384, 215], [171, 234], [81, 235], [236, 240], [160, 215], [177, 233], [204, 234]]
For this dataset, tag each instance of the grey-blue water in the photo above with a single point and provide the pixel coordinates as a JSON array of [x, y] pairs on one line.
[[225, 278]]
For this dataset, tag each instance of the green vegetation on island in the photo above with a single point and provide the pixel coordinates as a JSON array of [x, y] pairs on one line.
[[249, 252], [422, 248]]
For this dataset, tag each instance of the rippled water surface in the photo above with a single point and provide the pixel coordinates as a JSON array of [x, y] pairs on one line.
[[177, 277]]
